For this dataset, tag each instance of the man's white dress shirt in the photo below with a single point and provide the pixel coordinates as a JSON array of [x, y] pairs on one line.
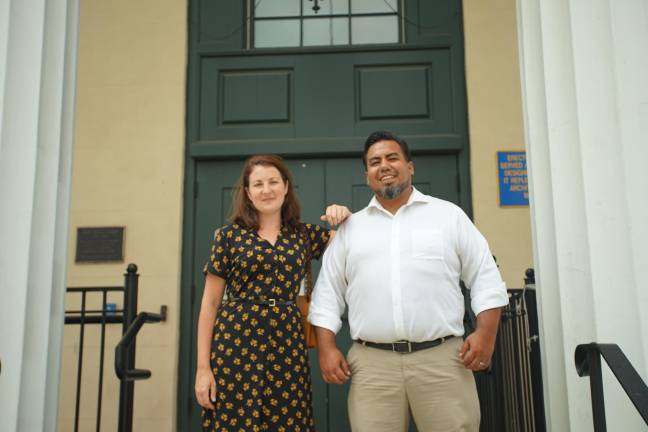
[[400, 273]]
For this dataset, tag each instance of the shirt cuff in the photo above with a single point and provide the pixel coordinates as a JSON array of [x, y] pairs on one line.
[[323, 320], [489, 299]]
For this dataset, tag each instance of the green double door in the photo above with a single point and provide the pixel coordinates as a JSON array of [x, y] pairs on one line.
[[318, 182], [314, 105]]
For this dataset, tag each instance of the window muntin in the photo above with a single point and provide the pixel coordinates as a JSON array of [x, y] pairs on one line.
[[294, 23]]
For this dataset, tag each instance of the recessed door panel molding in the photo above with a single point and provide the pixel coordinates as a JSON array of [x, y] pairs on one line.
[[246, 98], [408, 92], [253, 97], [404, 92]]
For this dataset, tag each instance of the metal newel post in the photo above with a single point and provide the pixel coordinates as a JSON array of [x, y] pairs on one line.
[[596, 390], [126, 388]]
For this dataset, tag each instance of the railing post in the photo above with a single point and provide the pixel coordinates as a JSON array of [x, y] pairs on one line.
[[126, 388], [596, 390]]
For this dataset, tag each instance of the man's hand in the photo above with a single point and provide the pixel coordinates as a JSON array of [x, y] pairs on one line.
[[334, 367], [477, 349], [335, 214]]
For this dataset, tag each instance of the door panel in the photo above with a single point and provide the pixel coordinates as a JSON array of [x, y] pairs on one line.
[[327, 95], [318, 182], [433, 175], [215, 182]]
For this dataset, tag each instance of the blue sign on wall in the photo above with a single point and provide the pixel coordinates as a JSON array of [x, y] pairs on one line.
[[513, 181]]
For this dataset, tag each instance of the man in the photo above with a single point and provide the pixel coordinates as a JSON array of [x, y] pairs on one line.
[[398, 264]]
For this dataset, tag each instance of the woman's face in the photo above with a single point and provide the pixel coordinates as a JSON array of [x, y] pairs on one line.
[[267, 189]]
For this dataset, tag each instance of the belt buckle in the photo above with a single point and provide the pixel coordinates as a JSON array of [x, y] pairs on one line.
[[272, 302], [409, 347]]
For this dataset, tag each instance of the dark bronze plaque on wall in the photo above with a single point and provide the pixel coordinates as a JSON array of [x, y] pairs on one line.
[[100, 244]]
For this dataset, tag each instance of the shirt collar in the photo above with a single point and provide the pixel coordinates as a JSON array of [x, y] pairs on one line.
[[415, 196]]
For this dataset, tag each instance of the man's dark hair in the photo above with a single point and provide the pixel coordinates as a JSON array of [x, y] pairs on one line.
[[384, 136]]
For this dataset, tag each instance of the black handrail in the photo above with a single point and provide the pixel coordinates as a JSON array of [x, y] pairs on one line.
[[121, 350], [588, 363], [125, 350]]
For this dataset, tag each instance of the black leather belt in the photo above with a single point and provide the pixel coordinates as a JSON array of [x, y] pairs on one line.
[[267, 302], [405, 347]]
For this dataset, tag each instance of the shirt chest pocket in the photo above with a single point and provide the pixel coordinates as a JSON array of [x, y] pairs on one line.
[[427, 244]]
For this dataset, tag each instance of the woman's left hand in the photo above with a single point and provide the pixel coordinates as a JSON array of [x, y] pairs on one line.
[[335, 214]]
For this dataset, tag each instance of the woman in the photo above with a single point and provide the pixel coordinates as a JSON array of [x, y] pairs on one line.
[[253, 371]]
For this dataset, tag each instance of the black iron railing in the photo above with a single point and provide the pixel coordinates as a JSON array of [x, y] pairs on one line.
[[510, 392], [104, 317], [588, 363], [83, 317]]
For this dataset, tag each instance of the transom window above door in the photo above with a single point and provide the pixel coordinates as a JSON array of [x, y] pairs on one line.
[[297, 23]]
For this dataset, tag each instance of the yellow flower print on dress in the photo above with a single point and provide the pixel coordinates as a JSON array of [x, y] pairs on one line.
[[258, 356]]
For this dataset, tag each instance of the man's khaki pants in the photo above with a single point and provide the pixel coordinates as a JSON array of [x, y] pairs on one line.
[[432, 383]]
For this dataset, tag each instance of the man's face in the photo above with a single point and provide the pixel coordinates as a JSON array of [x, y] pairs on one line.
[[389, 174]]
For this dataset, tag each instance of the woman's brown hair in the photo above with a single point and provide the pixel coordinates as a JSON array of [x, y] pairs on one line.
[[243, 211]]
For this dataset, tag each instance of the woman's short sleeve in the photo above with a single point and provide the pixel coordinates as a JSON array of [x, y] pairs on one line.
[[318, 237], [219, 262]]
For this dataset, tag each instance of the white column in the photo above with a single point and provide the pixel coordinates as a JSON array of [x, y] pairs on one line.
[[630, 50], [584, 209], [37, 72]]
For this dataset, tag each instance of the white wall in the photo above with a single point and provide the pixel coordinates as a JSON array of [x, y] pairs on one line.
[[584, 99]]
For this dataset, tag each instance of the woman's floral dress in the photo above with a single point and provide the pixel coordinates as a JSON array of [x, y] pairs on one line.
[[259, 356]]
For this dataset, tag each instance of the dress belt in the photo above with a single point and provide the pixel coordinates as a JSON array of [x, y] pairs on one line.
[[267, 302], [405, 347]]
